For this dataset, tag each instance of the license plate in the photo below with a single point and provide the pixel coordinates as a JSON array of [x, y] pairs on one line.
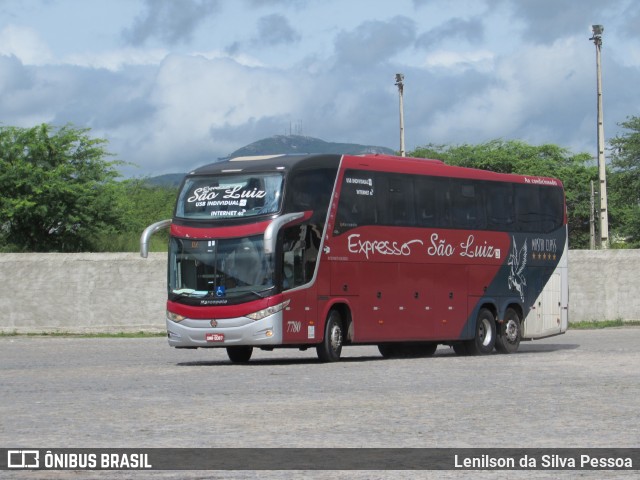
[[215, 337]]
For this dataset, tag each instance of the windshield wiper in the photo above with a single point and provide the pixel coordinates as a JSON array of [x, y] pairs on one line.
[[259, 293]]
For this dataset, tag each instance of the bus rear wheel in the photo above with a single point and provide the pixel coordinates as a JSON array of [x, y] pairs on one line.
[[331, 347], [239, 354], [509, 332], [484, 338]]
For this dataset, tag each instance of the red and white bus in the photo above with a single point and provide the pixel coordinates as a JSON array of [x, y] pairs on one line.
[[331, 250]]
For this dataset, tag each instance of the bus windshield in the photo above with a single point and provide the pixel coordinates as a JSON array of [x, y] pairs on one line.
[[229, 196], [219, 268]]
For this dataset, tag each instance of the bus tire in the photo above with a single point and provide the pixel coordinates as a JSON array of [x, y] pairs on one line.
[[424, 349], [407, 350], [432, 349], [239, 354], [331, 347], [509, 332], [417, 350], [460, 349], [484, 338], [387, 350]]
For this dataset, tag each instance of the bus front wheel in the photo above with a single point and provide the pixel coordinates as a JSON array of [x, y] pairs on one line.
[[484, 338], [331, 347], [239, 354]]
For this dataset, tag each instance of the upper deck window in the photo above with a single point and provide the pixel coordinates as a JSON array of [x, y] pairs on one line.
[[392, 199], [232, 196]]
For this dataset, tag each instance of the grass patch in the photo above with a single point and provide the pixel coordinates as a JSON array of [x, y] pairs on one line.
[[602, 324], [86, 335]]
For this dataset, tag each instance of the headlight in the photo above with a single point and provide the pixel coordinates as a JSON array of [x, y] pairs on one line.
[[260, 314], [174, 317]]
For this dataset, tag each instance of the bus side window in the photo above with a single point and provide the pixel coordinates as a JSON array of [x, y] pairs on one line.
[[539, 208], [467, 205], [292, 249], [397, 206], [302, 194], [499, 198], [311, 190], [551, 202], [300, 250], [527, 202], [357, 205], [431, 202]]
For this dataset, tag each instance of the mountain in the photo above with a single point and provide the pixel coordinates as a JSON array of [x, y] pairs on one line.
[[283, 144], [302, 144], [168, 180]]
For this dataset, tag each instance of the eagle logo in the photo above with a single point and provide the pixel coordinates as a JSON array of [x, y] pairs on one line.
[[517, 262]]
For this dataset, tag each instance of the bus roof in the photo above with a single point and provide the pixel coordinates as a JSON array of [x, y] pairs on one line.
[[424, 166], [378, 162], [261, 163]]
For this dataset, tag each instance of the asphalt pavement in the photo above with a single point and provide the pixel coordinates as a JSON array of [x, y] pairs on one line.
[[580, 389]]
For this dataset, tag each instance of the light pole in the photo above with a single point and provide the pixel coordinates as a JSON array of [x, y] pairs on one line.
[[602, 172], [400, 84], [592, 220]]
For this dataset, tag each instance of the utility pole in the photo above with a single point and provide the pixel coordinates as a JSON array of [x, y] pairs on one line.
[[592, 220], [400, 85], [602, 172]]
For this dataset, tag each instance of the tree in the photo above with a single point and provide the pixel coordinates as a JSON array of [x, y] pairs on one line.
[[58, 189], [524, 159], [624, 183], [139, 204]]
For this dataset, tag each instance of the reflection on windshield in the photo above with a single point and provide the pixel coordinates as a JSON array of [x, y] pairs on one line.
[[219, 268], [230, 196]]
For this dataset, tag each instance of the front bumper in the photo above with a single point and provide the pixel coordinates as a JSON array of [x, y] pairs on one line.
[[235, 331]]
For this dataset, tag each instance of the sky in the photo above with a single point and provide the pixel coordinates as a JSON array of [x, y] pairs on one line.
[[175, 84]]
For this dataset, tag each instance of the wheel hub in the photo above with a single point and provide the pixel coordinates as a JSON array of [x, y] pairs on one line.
[[485, 332], [336, 338], [511, 331]]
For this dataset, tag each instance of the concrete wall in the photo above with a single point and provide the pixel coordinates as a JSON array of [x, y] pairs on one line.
[[87, 292], [604, 285], [117, 292]]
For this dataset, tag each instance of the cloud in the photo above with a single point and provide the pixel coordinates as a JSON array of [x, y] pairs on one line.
[[631, 20], [374, 42], [170, 112], [196, 100], [274, 30], [20, 99], [525, 99], [273, 3], [117, 59], [482, 60], [15, 77], [26, 44], [471, 30], [169, 21], [545, 21]]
